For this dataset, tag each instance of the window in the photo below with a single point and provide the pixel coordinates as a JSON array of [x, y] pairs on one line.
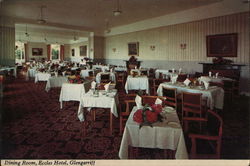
[[20, 52], [55, 52]]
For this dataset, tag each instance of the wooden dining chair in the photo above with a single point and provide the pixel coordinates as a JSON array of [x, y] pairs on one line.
[[211, 139], [126, 105], [182, 77], [144, 72], [156, 83], [105, 78], [171, 96], [193, 108], [150, 100], [120, 78]]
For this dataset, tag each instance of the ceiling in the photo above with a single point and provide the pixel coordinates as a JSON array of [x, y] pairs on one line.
[[93, 15], [48, 34]]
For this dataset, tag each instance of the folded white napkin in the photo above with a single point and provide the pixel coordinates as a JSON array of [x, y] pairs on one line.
[[140, 67], [135, 67], [174, 79], [111, 70], [173, 70], [103, 69], [216, 75], [138, 101], [206, 84], [180, 70], [158, 101], [187, 82], [107, 87], [56, 74], [210, 74], [93, 85], [63, 73]]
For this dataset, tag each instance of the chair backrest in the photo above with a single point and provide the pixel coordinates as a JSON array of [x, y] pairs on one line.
[[150, 100], [171, 96], [105, 77], [91, 73], [144, 72], [181, 77], [191, 101]]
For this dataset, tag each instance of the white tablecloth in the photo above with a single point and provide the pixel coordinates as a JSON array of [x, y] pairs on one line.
[[102, 101], [42, 77], [102, 67], [55, 82], [163, 135], [214, 79], [73, 92], [85, 73], [112, 76], [137, 83], [214, 94], [9, 69], [164, 72], [120, 68]]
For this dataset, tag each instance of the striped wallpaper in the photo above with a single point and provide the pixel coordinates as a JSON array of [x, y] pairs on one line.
[[167, 40]]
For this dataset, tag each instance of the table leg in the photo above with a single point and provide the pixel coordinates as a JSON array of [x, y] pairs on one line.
[[61, 104], [111, 123]]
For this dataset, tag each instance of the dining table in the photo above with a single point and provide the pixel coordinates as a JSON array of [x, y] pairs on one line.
[[73, 91], [8, 69], [214, 94], [111, 76], [42, 76], [85, 73], [137, 83], [218, 79], [167, 134], [55, 81], [99, 99]]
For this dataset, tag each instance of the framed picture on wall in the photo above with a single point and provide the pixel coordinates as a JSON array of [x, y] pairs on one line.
[[37, 52], [72, 52], [133, 49], [83, 50], [222, 45]]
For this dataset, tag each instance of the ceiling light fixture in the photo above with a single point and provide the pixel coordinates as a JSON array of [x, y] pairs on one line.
[[26, 33], [41, 20], [75, 38], [118, 11]]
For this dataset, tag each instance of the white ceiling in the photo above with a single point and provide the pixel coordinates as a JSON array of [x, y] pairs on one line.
[[37, 33], [66, 19], [92, 15]]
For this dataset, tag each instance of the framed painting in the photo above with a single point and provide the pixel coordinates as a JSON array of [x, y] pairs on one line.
[[83, 50], [222, 45], [133, 49], [72, 52], [37, 52]]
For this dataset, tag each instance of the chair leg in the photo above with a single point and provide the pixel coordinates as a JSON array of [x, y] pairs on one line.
[[121, 127]]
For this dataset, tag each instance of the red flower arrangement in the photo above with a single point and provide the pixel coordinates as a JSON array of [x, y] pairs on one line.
[[148, 115]]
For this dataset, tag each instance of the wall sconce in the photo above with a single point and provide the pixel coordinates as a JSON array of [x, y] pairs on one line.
[[183, 46], [114, 49], [152, 47]]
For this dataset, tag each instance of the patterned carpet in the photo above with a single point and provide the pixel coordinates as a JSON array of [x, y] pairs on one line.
[[34, 127]]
